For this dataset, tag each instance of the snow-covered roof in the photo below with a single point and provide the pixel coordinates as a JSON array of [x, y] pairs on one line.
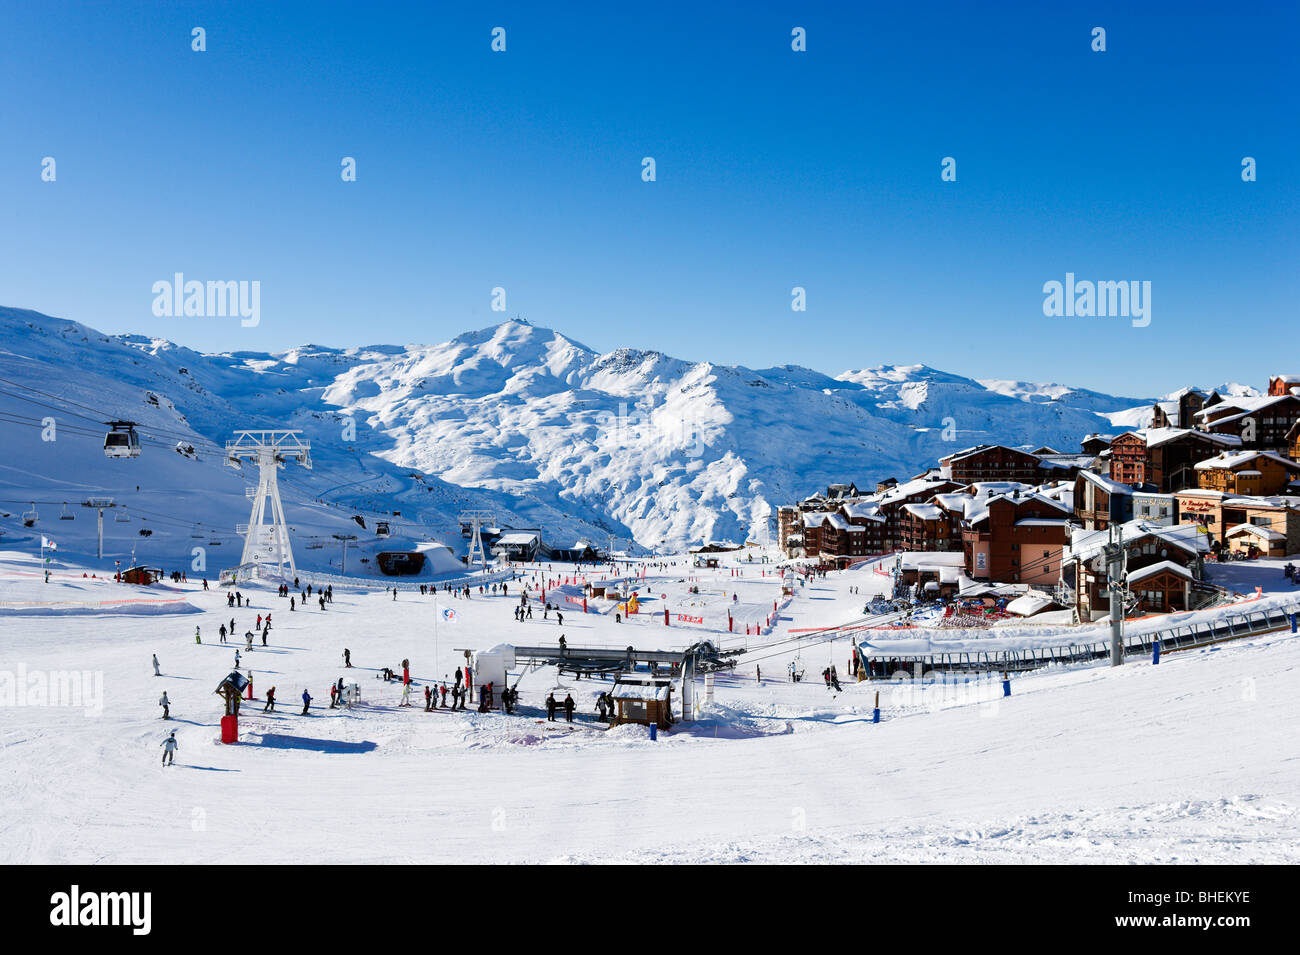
[[641, 691], [1233, 460], [517, 537], [1164, 566], [931, 559], [1029, 604], [864, 512], [1263, 533], [1189, 538], [1105, 483], [926, 512], [1158, 436]]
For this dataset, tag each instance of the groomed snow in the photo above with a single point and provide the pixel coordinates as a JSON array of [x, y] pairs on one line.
[[1193, 761]]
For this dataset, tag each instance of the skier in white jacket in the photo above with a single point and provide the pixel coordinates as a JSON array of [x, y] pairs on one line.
[[156, 671], [166, 705], [169, 746]]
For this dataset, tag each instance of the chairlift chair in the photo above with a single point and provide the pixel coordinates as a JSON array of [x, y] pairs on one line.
[[381, 529], [66, 515], [31, 517], [121, 441], [121, 517]]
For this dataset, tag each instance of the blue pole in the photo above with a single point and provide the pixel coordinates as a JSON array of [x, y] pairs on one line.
[[654, 731], [875, 715], [1006, 685], [1155, 651], [1293, 623]]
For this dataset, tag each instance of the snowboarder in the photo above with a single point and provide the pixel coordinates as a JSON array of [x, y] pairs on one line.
[[166, 704], [169, 746], [306, 702], [564, 645], [270, 701], [156, 671]]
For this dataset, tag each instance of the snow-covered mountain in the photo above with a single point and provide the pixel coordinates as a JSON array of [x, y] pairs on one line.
[[514, 418]]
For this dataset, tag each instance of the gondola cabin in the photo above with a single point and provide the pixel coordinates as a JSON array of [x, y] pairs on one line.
[[121, 441]]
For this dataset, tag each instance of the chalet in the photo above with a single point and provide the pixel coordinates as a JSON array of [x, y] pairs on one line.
[[1284, 385], [1100, 502], [1177, 412], [1164, 458], [1094, 444], [1219, 513], [991, 462], [926, 527], [1255, 540], [942, 569], [1262, 423], [1293, 441], [1128, 459], [1015, 539], [839, 492], [875, 526], [1062, 467], [1246, 473], [1162, 563], [841, 539]]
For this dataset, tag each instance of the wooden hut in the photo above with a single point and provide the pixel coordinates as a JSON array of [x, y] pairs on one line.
[[643, 700], [140, 575]]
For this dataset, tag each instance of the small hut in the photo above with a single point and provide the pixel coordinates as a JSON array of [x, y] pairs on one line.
[[140, 575], [643, 700]]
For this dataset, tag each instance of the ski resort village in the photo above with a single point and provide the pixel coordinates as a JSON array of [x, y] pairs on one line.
[[508, 599]]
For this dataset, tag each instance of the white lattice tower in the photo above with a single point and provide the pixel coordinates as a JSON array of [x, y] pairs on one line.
[[266, 536]]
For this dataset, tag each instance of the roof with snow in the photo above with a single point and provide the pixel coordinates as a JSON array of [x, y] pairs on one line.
[[1163, 567], [1255, 530], [1189, 538], [1233, 461]]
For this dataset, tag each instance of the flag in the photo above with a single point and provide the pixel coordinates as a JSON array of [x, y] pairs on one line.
[[47, 544], [448, 615]]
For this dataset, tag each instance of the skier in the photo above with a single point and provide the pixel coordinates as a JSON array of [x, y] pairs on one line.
[[568, 707], [428, 699], [550, 707], [444, 695], [564, 645], [559, 618], [347, 658], [169, 746], [270, 701], [156, 672], [248, 640], [166, 704], [222, 633], [306, 702], [333, 692], [236, 659]]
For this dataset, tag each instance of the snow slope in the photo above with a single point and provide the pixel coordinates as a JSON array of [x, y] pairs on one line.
[[1195, 760]]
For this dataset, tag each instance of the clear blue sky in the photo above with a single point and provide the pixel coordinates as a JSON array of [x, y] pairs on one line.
[[775, 169]]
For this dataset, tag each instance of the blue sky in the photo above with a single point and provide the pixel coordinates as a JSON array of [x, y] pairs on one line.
[[775, 169]]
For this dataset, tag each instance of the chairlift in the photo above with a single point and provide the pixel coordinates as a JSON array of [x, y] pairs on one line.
[[31, 517], [121, 517], [186, 450], [214, 543], [121, 441], [66, 515], [381, 529]]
